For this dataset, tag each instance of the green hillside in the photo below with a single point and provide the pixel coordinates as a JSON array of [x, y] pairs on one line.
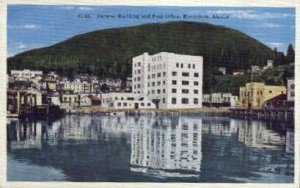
[[109, 52]]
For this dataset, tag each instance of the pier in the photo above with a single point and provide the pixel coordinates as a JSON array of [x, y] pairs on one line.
[[284, 114]]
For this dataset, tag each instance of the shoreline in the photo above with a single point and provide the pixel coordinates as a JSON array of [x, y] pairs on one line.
[[205, 110]]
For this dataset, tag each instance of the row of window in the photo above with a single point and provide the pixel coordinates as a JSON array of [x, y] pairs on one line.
[[185, 74], [174, 82], [183, 91], [185, 101], [184, 82], [125, 104], [182, 65]]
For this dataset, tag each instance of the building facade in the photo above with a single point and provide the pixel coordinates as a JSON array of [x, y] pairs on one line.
[[170, 80], [254, 94], [25, 74], [291, 90], [126, 101], [220, 100]]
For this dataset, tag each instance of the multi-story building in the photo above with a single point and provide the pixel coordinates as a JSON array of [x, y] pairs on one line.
[[25, 74], [254, 94], [170, 80], [78, 87], [291, 90]]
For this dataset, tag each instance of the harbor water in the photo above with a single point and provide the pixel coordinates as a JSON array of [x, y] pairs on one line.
[[150, 148]]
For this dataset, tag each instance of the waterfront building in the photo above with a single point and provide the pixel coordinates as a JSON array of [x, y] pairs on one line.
[[85, 100], [23, 100], [25, 74], [254, 94], [220, 100], [70, 99], [170, 80], [291, 89], [126, 101]]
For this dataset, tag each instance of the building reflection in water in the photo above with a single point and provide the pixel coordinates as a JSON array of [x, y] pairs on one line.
[[166, 146], [24, 134]]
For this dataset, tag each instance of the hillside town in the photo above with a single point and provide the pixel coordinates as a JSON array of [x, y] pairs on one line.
[[161, 81]]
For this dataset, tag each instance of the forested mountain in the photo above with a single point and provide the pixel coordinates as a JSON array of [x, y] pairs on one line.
[[108, 53]]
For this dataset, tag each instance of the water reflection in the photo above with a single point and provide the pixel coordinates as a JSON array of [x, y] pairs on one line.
[[156, 148], [164, 147]]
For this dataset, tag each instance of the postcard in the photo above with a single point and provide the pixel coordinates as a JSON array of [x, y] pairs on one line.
[[150, 94]]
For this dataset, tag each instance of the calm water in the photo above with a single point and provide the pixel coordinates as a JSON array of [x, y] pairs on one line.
[[151, 149]]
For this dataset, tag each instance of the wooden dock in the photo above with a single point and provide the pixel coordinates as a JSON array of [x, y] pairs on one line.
[[283, 114]]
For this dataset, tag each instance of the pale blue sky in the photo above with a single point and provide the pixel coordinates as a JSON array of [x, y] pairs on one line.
[[35, 26]]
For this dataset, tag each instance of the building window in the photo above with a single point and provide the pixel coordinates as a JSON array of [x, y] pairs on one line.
[[164, 90], [196, 101], [158, 91], [164, 73], [173, 100], [142, 104], [196, 83], [174, 90], [189, 65], [196, 91], [153, 91], [185, 74], [124, 104], [164, 82], [181, 65], [139, 63], [184, 101], [139, 86], [153, 75], [185, 83], [158, 83], [119, 104], [174, 82], [158, 75], [153, 83], [177, 65], [164, 100], [194, 66], [149, 104], [185, 91], [270, 91], [196, 74], [174, 73]]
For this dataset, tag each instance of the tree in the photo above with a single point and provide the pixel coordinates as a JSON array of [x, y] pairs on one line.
[[290, 54]]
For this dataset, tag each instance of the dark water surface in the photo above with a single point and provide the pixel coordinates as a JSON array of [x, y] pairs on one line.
[[186, 148]]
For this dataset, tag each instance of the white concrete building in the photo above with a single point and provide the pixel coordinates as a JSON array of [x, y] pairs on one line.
[[126, 101], [291, 90], [25, 74], [170, 80]]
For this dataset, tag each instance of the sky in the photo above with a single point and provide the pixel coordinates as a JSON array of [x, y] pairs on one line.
[[35, 26]]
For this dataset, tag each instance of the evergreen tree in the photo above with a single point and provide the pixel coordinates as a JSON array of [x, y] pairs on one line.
[[290, 54]]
